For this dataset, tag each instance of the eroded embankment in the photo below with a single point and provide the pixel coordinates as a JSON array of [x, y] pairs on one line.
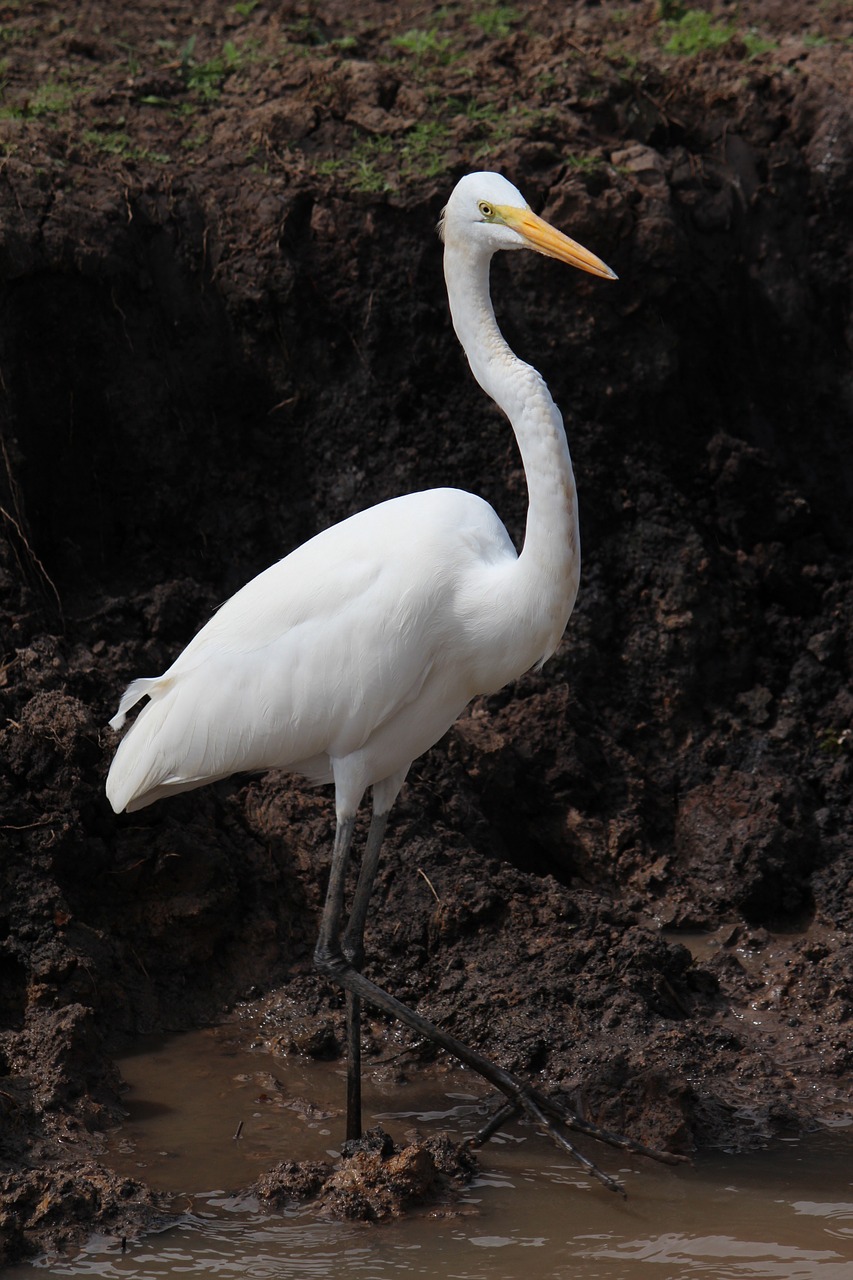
[[206, 361]]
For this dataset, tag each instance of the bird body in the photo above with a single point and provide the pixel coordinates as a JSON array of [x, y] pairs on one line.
[[367, 641], [354, 654]]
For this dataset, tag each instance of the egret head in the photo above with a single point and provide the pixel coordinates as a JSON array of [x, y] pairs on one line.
[[488, 213]]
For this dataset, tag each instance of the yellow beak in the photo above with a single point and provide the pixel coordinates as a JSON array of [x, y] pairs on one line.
[[544, 238]]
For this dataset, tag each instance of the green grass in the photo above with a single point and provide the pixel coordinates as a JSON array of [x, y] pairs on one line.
[[497, 21], [422, 151], [479, 114], [834, 742], [696, 32], [485, 113], [193, 140], [204, 80], [492, 124], [327, 168], [419, 153], [366, 177], [362, 170], [425, 46], [582, 162], [629, 62], [50, 98], [114, 142], [756, 44]]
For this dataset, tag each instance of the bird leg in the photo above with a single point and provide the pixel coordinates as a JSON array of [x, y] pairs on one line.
[[502, 1116], [329, 940], [547, 1113], [353, 949], [353, 1067], [353, 939], [352, 945]]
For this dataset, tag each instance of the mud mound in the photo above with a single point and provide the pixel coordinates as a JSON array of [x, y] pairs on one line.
[[375, 1180]]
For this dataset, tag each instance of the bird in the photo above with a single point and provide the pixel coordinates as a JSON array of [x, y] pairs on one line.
[[351, 656]]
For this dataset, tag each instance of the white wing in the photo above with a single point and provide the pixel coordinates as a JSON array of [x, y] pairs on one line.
[[315, 655]]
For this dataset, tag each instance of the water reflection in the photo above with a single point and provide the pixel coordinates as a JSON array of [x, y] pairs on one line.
[[780, 1215]]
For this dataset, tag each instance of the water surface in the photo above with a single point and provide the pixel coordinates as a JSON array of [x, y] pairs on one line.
[[783, 1214]]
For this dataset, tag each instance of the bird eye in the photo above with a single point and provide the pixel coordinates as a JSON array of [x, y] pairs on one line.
[[486, 209]]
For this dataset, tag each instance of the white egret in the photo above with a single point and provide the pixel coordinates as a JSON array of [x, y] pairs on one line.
[[350, 657]]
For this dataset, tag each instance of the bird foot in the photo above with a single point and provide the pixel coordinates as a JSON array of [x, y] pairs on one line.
[[549, 1113]]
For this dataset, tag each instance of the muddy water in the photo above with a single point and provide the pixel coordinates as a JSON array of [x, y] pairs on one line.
[[785, 1214]]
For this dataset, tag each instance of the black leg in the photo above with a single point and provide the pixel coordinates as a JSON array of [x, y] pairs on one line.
[[507, 1112], [353, 939], [537, 1105], [353, 1066], [329, 942], [330, 922], [353, 949], [330, 959]]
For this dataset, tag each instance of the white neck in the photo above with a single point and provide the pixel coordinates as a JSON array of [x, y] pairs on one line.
[[550, 557]]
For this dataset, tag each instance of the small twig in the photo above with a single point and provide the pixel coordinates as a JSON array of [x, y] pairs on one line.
[[135, 955], [282, 404], [421, 872], [33, 557], [27, 826]]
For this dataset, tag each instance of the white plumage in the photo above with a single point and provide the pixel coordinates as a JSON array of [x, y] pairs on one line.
[[343, 647], [350, 657], [354, 654]]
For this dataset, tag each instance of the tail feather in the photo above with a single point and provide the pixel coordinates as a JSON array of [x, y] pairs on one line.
[[136, 690], [136, 768], [171, 745], [204, 724]]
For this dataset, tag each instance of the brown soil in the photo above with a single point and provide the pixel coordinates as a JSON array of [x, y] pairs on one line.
[[375, 1180], [223, 327]]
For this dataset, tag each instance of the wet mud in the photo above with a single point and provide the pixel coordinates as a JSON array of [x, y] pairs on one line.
[[376, 1179], [223, 328]]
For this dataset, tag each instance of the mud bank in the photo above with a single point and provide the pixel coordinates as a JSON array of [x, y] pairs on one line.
[[222, 328]]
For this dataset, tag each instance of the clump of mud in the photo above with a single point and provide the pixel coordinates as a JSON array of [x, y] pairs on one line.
[[48, 1207], [375, 1179]]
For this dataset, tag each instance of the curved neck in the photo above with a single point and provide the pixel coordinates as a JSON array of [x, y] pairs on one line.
[[551, 549]]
